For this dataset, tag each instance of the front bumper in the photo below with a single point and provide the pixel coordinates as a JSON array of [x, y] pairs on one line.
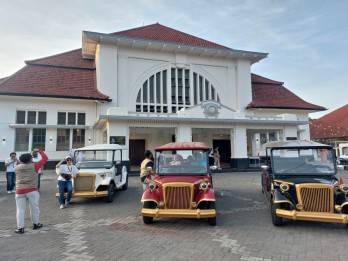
[[178, 213], [86, 194], [313, 216]]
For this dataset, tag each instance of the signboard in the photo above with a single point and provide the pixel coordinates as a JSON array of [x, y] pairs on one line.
[[120, 140]]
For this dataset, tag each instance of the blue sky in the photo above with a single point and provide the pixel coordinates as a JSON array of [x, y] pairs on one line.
[[307, 41]]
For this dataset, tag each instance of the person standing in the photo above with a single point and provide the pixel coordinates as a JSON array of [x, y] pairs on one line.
[[26, 189], [146, 169], [36, 158], [217, 158], [10, 165], [67, 171], [211, 157]]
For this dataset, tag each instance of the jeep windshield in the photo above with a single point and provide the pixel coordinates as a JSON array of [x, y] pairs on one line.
[[181, 162], [91, 159], [302, 161]]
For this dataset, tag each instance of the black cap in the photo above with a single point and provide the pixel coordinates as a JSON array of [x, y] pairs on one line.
[[147, 153]]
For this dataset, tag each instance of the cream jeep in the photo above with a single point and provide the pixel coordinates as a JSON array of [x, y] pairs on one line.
[[101, 171]]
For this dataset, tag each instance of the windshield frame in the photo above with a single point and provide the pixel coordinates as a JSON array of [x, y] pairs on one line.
[[190, 163], [83, 163], [302, 161]]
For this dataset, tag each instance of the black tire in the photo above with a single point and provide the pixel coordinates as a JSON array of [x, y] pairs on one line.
[[212, 220], [125, 186], [148, 204], [111, 192], [277, 221]]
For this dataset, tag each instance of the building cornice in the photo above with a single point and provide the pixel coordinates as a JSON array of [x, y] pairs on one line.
[[90, 40], [102, 119]]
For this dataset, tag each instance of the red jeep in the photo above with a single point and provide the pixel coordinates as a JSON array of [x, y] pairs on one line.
[[182, 186]]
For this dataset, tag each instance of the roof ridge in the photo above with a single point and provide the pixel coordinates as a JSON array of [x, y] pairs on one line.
[[51, 56], [269, 81], [181, 33], [62, 66]]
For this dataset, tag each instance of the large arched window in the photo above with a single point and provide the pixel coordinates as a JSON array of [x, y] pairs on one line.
[[157, 95]]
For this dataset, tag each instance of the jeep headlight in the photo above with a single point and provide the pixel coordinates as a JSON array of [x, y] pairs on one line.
[[103, 175], [203, 186], [152, 186], [284, 187], [344, 188]]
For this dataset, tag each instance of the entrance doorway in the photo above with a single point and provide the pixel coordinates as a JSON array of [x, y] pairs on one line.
[[136, 152], [224, 150]]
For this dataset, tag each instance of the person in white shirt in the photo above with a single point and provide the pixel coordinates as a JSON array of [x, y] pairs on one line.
[[66, 172], [10, 165], [36, 158]]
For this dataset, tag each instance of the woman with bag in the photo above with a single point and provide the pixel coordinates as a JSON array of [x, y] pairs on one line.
[[66, 171]]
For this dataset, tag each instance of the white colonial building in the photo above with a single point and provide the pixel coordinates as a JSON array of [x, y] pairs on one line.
[[144, 87]]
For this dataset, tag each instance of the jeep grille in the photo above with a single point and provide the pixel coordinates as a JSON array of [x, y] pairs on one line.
[[84, 183], [315, 197], [178, 197]]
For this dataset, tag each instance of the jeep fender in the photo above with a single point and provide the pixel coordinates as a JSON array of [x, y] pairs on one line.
[[208, 195], [149, 195], [106, 181], [279, 197]]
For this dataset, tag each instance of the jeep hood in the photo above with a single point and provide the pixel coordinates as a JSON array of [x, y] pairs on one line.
[[96, 171], [310, 179], [187, 179]]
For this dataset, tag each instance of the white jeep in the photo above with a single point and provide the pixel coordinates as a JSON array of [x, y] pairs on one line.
[[101, 171]]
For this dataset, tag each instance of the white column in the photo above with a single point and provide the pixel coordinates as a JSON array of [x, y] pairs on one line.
[[239, 143], [183, 133], [255, 144]]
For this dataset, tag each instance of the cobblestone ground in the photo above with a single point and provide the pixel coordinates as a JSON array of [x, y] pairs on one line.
[[95, 230]]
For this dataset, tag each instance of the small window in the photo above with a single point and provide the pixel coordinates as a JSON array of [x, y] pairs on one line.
[[31, 117], [81, 119], [71, 118], [61, 118], [20, 117], [42, 117]]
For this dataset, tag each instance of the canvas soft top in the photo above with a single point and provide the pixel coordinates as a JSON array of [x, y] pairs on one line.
[[293, 144], [183, 146], [103, 147]]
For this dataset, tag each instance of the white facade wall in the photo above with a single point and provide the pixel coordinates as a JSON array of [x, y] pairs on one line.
[[10, 104], [134, 67]]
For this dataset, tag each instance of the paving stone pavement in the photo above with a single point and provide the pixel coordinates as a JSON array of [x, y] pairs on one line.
[[96, 230]]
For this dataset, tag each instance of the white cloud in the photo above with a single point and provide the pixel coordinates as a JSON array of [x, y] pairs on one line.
[[306, 40]]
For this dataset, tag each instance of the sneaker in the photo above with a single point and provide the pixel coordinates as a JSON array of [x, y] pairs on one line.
[[19, 231], [9, 192], [66, 203], [13, 191], [61, 206], [37, 226]]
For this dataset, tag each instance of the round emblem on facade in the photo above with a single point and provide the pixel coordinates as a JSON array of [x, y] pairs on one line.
[[211, 109]]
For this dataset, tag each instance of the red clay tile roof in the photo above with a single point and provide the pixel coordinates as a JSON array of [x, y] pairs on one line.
[[271, 94], [331, 125], [65, 75], [71, 59], [162, 33]]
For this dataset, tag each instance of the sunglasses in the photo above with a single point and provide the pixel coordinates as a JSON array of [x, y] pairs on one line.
[[68, 159]]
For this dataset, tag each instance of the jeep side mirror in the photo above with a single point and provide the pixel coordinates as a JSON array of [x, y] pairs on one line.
[[340, 167], [264, 167]]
